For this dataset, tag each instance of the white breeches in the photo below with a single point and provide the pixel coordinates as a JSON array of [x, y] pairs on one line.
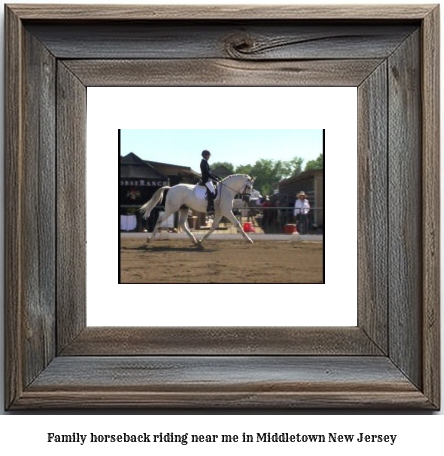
[[210, 187]]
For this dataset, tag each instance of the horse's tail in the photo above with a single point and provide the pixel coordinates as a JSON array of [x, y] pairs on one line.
[[156, 199]]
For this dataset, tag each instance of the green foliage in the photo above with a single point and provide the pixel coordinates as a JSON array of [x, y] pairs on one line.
[[315, 164], [244, 169], [269, 172], [295, 166], [226, 164]]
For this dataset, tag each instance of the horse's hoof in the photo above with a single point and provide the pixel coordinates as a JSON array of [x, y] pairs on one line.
[[148, 240]]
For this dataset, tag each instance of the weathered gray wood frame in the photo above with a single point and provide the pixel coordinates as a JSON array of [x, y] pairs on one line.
[[390, 360]]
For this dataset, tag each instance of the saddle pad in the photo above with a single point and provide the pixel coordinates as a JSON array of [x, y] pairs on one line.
[[200, 192]]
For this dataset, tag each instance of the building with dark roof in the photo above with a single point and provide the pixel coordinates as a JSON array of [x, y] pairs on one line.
[[222, 171], [175, 173], [138, 180]]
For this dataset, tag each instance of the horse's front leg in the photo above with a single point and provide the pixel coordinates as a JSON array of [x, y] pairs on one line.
[[216, 221], [237, 224]]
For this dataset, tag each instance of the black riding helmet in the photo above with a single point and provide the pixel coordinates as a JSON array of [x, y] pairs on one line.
[[206, 153]]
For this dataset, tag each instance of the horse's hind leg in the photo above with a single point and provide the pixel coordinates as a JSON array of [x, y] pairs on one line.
[[156, 227], [183, 215], [161, 218]]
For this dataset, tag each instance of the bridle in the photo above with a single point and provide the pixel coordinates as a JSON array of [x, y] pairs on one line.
[[243, 192]]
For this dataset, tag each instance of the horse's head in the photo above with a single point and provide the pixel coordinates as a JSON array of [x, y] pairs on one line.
[[248, 187], [241, 184]]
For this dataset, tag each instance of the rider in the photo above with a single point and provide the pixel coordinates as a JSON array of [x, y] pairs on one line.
[[207, 177]]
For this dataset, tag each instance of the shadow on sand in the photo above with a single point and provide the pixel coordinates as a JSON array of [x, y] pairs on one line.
[[166, 248]]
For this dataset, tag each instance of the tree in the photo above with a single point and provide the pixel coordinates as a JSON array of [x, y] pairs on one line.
[[266, 173], [243, 169], [227, 165], [294, 167], [269, 172], [315, 164]]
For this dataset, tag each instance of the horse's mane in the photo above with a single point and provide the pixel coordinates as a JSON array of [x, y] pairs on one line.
[[235, 175]]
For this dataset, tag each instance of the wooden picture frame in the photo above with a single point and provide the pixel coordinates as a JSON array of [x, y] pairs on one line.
[[390, 360]]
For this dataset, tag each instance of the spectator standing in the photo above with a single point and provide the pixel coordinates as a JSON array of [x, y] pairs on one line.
[[301, 211], [267, 216]]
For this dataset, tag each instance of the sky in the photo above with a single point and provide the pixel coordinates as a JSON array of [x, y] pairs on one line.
[[236, 146]]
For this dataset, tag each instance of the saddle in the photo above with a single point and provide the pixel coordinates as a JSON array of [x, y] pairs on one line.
[[201, 190]]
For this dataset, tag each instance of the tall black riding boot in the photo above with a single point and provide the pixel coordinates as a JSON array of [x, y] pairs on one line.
[[210, 206]]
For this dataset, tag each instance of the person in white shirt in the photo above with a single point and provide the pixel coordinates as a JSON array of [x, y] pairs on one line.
[[301, 211]]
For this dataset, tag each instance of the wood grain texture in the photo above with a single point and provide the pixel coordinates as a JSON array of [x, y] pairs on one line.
[[206, 373], [218, 341], [259, 401], [38, 183], [431, 204], [71, 206], [220, 12], [103, 367], [236, 40], [221, 72], [372, 207], [13, 208], [229, 382], [405, 209], [30, 205]]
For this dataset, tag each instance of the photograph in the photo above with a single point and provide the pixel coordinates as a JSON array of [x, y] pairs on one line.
[[261, 192]]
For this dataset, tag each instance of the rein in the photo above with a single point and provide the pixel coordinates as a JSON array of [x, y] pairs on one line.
[[234, 190]]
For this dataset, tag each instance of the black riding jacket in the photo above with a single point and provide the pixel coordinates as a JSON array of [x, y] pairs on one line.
[[206, 172]]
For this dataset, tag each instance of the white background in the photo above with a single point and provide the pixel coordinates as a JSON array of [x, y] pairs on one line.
[[417, 433], [330, 304]]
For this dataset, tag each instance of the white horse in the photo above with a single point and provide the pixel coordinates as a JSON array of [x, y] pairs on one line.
[[183, 197]]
